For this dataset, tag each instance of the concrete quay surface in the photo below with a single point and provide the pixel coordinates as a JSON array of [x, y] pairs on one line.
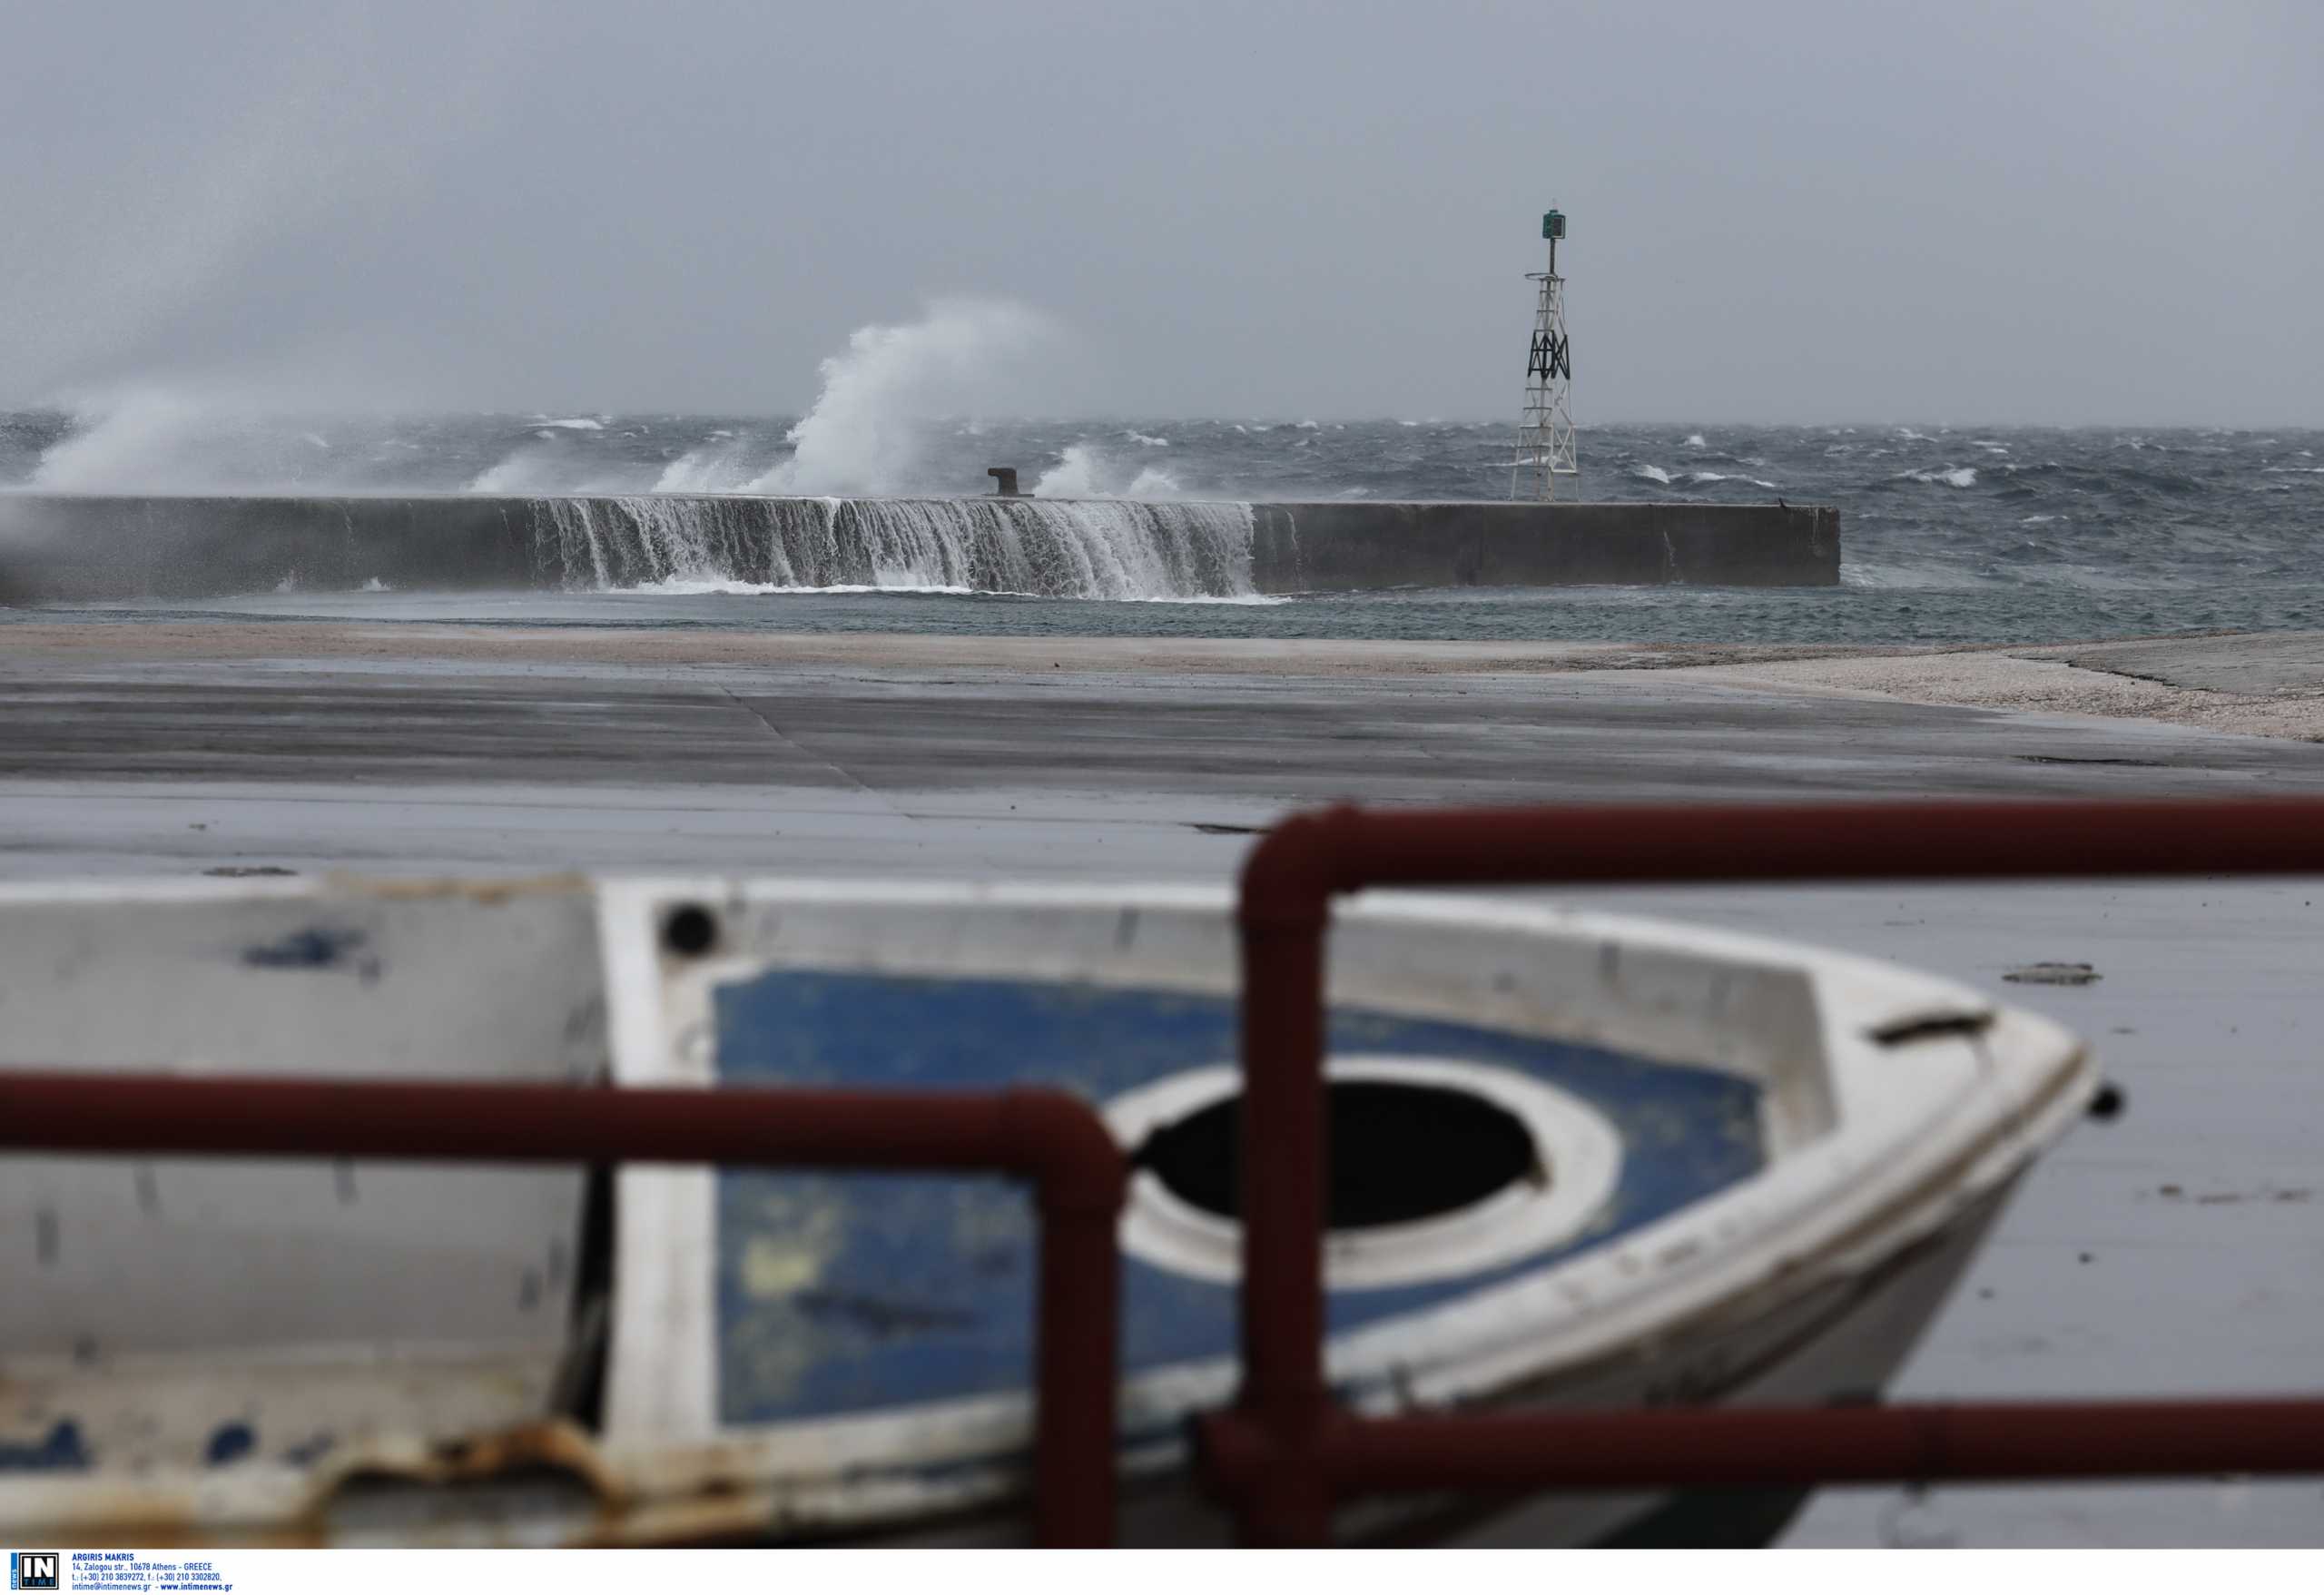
[[2174, 1252]]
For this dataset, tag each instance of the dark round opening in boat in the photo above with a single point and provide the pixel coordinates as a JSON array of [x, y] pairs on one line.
[[690, 931], [1399, 1153]]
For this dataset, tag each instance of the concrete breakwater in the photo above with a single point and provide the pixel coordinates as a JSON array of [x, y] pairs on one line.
[[95, 547], [1342, 547]]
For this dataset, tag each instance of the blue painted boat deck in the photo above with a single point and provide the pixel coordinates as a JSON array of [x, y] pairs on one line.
[[841, 1293]]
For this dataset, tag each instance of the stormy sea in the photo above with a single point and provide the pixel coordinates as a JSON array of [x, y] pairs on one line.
[[1950, 534]]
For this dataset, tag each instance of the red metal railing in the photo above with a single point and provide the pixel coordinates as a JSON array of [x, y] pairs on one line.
[[1284, 1453], [1055, 1140], [1764, 1447]]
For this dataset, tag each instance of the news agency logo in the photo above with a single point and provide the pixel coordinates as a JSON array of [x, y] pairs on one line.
[[33, 1569]]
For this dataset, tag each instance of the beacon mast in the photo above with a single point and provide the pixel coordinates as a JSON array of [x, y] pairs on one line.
[[1545, 435]]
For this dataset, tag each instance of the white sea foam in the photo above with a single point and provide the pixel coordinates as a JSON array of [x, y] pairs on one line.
[[1149, 442], [691, 588], [1247, 600], [1651, 473], [718, 587], [1695, 440], [1723, 477], [1955, 476], [577, 424]]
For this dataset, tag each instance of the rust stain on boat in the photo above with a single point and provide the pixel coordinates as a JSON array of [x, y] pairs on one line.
[[703, 1493]]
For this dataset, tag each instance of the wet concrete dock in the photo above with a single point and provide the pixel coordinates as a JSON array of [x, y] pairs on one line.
[[414, 749], [2176, 1251]]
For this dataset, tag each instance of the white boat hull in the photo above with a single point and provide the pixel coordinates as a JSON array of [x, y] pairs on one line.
[[1756, 1171]]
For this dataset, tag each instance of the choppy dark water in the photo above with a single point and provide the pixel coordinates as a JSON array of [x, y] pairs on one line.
[[1960, 533]]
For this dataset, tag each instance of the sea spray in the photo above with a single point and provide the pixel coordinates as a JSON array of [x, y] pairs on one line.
[[727, 461], [139, 438], [868, 429], [1075, 475], [1084, 470]]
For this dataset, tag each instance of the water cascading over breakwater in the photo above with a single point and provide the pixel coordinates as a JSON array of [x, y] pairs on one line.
[[1086, 548]]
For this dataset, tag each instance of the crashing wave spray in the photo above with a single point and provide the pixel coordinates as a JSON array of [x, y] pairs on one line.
[[150, 439], [1082, 471], [867, 430], [728, 462]]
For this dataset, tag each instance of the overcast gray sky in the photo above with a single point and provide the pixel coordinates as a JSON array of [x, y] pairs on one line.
[[2084, 211]]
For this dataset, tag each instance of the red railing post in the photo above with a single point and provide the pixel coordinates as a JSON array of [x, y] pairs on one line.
[[1766, 1447], [1080, 1191], [1056, 1140], [1282, 1454], [1284, 1161]]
